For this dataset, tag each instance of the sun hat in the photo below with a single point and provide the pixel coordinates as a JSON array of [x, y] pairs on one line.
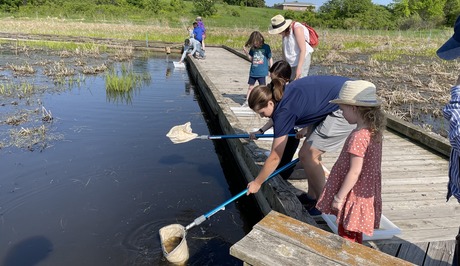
[[358, 93], [451, 48], [198, 18], [279, 24]]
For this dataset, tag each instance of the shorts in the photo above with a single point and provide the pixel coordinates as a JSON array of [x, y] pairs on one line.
[[305, 69], [261, 80], [330, 134]]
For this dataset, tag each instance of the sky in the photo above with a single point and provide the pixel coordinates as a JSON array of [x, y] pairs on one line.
[[318, 3]]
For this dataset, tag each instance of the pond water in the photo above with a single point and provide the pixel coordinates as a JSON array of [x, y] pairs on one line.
[[105, 179]]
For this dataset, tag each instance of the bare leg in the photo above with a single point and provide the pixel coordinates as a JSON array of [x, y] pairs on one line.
[[310, 159], [249, 91]]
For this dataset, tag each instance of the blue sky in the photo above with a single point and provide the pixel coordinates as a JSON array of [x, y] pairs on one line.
[[318, 3]]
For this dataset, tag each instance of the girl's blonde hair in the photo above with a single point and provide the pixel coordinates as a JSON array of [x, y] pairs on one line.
[[374, 118], [255, 37]]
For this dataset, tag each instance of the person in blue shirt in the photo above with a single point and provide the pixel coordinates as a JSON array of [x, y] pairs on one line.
[[261, 59], [450, 50], [197, 32], [192, 46], [303, 103]]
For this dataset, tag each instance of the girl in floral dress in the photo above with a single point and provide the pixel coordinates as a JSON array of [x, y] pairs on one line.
[[353, 189]]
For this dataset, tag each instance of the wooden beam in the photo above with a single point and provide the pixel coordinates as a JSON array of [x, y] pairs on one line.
[[280, 240]]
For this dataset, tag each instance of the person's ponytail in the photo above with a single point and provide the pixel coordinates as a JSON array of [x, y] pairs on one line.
[[277, 86]]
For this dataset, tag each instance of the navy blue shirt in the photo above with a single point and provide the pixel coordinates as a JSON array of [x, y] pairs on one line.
[[305, 102]]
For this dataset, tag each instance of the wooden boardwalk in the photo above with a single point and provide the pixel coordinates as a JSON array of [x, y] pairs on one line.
[[414, 177]]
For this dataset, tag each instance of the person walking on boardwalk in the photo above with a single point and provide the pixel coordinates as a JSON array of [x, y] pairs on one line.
[[353, 191], [200, 24], [197, 33], [260, 55], [296, 50], [303, 103], [448, 51]]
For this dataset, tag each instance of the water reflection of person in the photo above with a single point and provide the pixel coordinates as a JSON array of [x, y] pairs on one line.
[[188, 88], [448, 51], [168, 72]]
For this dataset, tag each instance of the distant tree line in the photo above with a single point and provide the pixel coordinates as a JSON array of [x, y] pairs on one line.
[[400, 14], [345, 14]]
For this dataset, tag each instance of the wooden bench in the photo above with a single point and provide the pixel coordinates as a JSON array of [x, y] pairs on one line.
[[281, 240]]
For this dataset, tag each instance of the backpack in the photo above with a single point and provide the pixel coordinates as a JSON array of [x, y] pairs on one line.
[[314, 40]]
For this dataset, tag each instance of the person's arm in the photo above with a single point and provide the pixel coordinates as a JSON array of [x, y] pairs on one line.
[[246, 52], [186, 47], [267, 126], [195, 46], [356, 165], [270, 62], [300, 39], [270, 164], [304, 132]]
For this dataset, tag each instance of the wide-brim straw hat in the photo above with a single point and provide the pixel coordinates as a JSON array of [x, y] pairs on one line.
[[358, 93], [451, 48], [279, 24]]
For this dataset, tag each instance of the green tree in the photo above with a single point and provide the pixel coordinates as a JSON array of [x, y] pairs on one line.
[[352, 8], [204, 8], [430, 10], [153, 5], [401, 8], [451, 12]]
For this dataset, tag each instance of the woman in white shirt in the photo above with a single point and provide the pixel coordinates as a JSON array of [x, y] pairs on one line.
[[296, 50]]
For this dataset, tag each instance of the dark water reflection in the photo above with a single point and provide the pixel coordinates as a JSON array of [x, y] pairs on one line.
[[99, 196]]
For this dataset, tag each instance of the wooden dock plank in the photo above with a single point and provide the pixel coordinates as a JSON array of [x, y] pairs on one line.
[[296, 243], [435, 256], [414, 253]]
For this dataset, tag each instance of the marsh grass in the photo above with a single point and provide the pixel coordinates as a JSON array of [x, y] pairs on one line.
[[124, 80], [25, 69], [21, 90], [31, 137]]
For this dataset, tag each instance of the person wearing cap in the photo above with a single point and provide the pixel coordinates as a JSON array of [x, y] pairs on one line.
[[296, 50], [200, 24], [353, 190], [302, 103], [450, 50]]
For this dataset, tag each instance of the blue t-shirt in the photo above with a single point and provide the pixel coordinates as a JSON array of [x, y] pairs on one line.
[[198, 32], [260, 58], [306, 101]]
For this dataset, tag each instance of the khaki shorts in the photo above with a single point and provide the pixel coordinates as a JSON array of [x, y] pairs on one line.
[[330, 134]]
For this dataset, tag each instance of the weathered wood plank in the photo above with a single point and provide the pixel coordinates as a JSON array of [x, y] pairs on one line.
[[262, 248], [414, 253], [388, 248], [436, 254], [293, 234]]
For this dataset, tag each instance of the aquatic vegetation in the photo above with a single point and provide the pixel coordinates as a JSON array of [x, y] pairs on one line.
[[124, 53], [22, 69], [21, 89], [93, 70], [30, 138], [126, 81]]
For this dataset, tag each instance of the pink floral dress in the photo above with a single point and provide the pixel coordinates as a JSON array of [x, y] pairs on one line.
[[362, 209]]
